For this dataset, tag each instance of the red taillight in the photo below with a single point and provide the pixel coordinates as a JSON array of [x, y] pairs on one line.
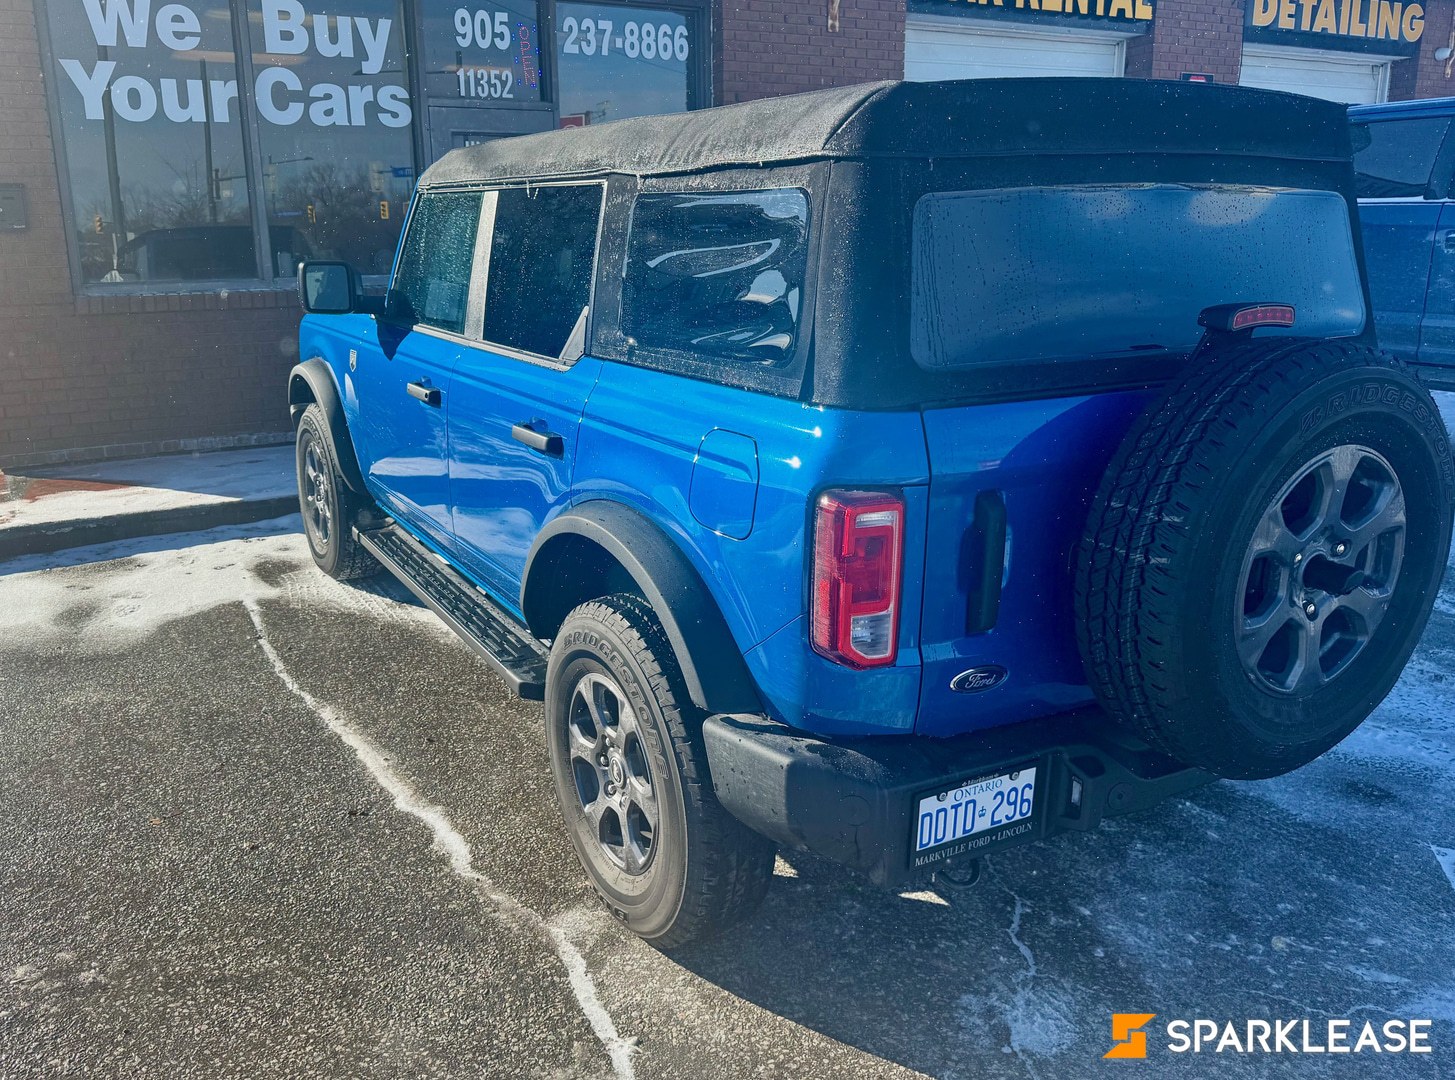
[[858, 558], [1263, 315]]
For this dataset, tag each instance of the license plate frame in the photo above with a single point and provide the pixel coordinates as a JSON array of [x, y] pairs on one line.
[[1023, 827]]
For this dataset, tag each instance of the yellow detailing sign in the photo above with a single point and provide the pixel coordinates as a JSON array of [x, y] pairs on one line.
[[1382, 20]]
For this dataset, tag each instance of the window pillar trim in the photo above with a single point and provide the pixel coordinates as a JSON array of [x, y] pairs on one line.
[[252, 142], [480, 267], [51, 88]]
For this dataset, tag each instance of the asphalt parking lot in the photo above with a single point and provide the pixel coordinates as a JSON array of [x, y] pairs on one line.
[[254, 823]]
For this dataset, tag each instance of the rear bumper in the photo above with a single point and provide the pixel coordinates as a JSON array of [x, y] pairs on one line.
[[854, 801]]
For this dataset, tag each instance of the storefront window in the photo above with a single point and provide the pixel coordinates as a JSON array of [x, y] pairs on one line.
[[174, 166], [478, 53], [153, 139], [334, 127], [617, 61]]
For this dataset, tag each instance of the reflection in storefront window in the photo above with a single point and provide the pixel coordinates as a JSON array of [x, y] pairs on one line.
[[153, 140], [481, 51], [334, 127], [618, 61]]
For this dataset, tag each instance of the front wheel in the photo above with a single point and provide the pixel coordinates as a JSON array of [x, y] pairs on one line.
[[328, 507], [631, 774]]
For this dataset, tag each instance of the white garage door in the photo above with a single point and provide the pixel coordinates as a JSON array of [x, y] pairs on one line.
[[1359, 80], [946, 48]]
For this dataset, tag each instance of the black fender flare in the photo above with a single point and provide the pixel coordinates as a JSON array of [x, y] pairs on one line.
[[310, 382], [712, 664]]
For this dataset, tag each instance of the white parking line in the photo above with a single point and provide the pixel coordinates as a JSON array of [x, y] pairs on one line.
[[449, 842]]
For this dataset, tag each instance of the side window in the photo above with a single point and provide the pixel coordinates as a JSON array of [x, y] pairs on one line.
[[432, 281], [1397, 156], [542, 256], [717, 273]]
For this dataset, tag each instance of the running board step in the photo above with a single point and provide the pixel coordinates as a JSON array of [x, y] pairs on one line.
[[486, 627]]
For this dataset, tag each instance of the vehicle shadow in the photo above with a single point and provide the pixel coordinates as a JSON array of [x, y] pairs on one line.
[[1221, 905], [147, 545]]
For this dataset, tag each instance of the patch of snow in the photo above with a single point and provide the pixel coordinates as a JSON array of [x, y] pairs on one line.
[[1439, 1005], [1371, 975], [112, 596], [161, 483], [1446, 859], [925, 896], [1041, 1023]]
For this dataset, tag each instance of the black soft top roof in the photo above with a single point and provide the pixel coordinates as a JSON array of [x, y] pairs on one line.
[[964, 118]]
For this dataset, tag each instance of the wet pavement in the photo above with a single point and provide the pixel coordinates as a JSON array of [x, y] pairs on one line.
[[256, 823]]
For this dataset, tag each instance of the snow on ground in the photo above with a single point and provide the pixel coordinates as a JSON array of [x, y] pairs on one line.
[[127, 590], [81, 492]]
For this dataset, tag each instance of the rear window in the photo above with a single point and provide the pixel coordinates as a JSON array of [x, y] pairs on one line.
[[717, 274], [1397, 156], [1067, 272]]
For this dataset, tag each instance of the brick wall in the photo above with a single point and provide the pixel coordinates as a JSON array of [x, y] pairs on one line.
[[1424, 76], [1207, 36], [1190, 35], [770, 47], [91, 376]]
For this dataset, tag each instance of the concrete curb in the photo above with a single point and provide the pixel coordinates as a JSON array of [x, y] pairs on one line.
[[51, 536]]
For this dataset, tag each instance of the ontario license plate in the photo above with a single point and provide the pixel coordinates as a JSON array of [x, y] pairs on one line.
[[980, 806]]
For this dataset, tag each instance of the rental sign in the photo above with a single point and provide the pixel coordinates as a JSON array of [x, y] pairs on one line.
[[288, 30]]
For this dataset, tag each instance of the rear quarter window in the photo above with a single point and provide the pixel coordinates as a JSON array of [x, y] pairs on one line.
[[1064, 273], [717, 275]]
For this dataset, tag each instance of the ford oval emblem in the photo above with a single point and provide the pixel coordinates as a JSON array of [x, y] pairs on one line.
[[984, 677]]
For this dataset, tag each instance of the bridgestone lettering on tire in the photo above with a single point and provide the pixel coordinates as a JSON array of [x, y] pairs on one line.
[[630, 773], [1280, 480]]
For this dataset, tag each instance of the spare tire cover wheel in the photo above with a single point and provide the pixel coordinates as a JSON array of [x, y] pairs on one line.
[[1264, 551]]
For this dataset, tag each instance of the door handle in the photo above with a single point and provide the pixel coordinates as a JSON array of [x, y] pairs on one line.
[[430, 395], [1447, 241], [546, 442]]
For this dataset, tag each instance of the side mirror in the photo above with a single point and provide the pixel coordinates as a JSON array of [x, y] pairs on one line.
[[328, 288]]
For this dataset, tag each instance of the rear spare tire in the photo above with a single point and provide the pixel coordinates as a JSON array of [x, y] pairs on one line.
[[1264, 551]]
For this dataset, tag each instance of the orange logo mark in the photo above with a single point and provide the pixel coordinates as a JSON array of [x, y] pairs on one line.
[[1131, 1042]]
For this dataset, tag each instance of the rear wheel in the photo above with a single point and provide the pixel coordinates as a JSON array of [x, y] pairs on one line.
[[631, 775], [1264, 551], [328, 507]]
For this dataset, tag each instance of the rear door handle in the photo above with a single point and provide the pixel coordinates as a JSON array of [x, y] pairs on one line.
[[430, 395], [1447, 241], [546, 442]]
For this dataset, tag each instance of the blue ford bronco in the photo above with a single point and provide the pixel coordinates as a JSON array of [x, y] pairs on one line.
[[900, 472]]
